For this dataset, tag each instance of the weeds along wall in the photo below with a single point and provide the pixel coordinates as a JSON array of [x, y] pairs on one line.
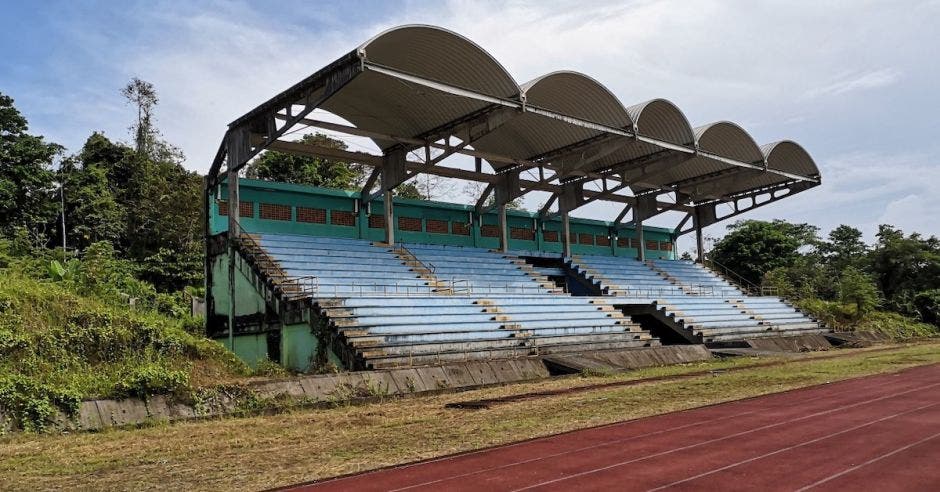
[[269, 207]]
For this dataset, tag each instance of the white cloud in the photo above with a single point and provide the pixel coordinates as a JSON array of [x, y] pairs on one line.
[[782, 69], [858, 81]]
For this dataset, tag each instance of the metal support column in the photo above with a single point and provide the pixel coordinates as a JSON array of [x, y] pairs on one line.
[[699, 240], [503, 229], [233, 231], [565, 235], [389, 207], [641, 248]]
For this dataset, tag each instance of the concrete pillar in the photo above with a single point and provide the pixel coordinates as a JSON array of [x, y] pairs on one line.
[[565, 235], [389, 218], [641, 248], [503, 229]]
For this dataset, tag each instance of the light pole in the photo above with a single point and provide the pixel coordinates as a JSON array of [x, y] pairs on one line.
[[61, 186], [62, 203]]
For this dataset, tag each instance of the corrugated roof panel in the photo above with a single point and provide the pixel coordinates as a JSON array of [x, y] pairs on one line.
[[398, 106], [578, 95], [789, 156], [661, 119], [378, 103], [529, 135], [440, 55], [728, 140]]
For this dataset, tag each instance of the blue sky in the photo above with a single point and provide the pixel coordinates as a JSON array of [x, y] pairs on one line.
[[855, 82]]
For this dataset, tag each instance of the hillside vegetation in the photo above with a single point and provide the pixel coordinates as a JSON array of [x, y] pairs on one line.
[[71, 335]]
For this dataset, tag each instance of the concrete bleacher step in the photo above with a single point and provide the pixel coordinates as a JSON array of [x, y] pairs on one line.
[[382, 298], [522, 351]]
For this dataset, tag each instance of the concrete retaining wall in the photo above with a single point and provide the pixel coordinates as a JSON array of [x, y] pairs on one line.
[[98, 414], [800, 343], [619, 360]]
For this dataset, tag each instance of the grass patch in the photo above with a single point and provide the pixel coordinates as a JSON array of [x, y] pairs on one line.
[[842, 317], [316, 443], [58, 347]]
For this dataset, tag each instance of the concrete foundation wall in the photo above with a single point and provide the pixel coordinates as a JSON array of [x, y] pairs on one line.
[[97, 414]]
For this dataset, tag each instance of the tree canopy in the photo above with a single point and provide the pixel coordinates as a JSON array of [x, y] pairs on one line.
[[313, 171], [898, 272], [753, 247], [27, 181]]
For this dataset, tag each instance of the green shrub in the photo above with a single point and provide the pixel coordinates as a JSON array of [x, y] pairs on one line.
[[927, 304], [845, 317], [268, 368], [58, 346], [33, 404], [896, 326], [152, 379]]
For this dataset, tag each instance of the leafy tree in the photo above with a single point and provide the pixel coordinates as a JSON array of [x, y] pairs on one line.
[[927, 304], [26, 176], [904, 266], [845, 248], [805, 278], [147, 138], [314, 171], [142, 95], [409, 190], [475, 189], [858, 289], [753, 247], [150, 209], [92, 213]]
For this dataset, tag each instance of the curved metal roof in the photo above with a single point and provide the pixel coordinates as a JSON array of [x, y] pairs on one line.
[[441, 55], [660, 118], [789, 156], [420, 83], [728, 139], [578, 95]]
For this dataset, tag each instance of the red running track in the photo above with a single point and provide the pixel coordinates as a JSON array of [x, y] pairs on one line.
[[875, 433]]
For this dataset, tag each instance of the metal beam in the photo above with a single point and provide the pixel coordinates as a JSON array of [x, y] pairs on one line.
[[571, 120], [310, 92], [416, 142], [710, 213], [682, 222], [376, 161], [369, 184], [483, 196]]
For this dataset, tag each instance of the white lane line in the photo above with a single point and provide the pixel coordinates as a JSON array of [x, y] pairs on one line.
[[562, 453], [794, 446], [618, 441], [869, 462], [763, 399], [731, 436]]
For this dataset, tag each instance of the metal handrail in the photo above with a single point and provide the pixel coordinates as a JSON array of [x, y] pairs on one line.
[[414, 260], [308, 284], [256, 253], [735, 278]]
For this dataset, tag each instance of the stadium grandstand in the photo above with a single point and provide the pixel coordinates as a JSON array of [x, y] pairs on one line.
[[366, 280]]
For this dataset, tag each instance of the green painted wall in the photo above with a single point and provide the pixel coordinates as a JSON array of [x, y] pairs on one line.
[[299, 347], [426, 212], [249, 348], [343, 217], [247, 299]]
